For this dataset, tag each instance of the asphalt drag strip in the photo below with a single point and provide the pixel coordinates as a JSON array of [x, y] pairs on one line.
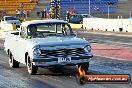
[[64, 77], [113, 52]]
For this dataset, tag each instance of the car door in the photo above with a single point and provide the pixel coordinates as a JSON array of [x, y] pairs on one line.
[[21, 46], [73, 19]]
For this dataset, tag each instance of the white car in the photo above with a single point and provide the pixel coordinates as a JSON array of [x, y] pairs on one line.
[[6, 20], [46, 43]]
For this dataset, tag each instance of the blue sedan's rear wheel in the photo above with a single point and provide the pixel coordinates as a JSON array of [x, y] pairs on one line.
[[81, 22]]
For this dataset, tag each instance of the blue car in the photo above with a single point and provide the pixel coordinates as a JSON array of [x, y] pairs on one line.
[[78, 18]]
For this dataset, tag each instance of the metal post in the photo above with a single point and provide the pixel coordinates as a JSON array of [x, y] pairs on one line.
[[55, 10], [109, 4], [89, 7], [108, 11]]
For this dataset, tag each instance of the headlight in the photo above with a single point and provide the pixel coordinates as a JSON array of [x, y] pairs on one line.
[[87, 49], [37, 52]]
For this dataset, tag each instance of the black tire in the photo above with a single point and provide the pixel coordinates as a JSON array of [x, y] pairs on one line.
[[32, 70], [85, 66], [13, 63], [81, 80]]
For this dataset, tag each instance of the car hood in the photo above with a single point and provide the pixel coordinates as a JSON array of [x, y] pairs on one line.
[[69, 42]]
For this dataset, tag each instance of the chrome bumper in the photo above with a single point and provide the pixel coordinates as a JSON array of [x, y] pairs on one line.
[[45, 62]]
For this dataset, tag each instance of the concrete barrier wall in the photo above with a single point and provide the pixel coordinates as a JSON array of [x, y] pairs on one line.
[[124, 25], [6, 27], [2, 33]]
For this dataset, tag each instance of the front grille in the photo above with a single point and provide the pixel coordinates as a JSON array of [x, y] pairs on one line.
[[62, 52]]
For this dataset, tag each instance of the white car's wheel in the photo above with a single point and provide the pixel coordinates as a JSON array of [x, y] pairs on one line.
[[13, 63], [32, 70]]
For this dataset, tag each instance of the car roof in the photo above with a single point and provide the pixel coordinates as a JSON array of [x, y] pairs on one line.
[[26, 23], [79, 14]]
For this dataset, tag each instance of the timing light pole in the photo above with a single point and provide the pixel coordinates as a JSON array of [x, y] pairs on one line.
[[89, 8], [55, 9], [109, 4]]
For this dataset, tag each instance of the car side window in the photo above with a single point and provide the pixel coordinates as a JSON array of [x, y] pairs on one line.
[[80, 16], [72, 16], [65, 29]]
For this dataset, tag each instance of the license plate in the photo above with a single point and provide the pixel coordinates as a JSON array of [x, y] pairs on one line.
[[64, 59]]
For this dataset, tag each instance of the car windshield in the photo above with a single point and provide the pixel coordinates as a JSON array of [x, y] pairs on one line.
[[50, 29], [85, 16], [10, 18], [80, 16]]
